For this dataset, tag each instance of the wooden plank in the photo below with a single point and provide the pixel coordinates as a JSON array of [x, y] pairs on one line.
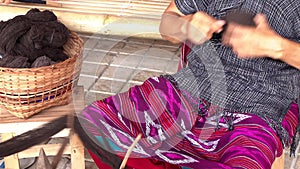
[[77, 152], [11, 162]]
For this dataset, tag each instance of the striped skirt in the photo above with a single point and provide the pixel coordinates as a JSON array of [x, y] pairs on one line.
[[174, 135]]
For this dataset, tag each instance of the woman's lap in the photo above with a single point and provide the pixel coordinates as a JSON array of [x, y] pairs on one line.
[[174, 133]]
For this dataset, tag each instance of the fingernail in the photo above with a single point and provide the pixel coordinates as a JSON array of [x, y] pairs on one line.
[[221, 22]]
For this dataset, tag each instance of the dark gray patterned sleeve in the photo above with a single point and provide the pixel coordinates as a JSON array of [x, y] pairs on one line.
[[186, 6]]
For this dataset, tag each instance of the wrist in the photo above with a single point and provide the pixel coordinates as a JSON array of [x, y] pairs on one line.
[[185, 25], [170, 27], [278, 48]]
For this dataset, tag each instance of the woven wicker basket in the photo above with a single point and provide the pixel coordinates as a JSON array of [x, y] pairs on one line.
[[26, 91]]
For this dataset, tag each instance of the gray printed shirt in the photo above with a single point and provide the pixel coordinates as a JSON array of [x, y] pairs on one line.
[[261, 86]]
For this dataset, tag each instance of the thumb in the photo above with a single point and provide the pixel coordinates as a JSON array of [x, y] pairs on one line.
[[217, 26], [261, 21]]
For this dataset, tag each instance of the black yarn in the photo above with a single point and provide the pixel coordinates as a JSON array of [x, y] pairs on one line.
[[6, 59], [41, 61], [44, 16], [37, 33], [19, 62], [11, 32], [56, 54]]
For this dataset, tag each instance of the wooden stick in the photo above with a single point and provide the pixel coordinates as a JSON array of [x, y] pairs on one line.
[[137, 139], [59, 154]]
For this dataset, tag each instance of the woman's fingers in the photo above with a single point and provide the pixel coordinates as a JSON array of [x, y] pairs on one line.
[[217, 26], [202, 26], [5, 1], [261, 21]]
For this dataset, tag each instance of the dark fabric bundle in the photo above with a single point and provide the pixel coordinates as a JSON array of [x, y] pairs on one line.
[[38, 33]]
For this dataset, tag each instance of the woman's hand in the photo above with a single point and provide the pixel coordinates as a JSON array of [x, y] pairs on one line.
[[197, 28], [261, 41], [6, 1], [200, 27], [253, 42]]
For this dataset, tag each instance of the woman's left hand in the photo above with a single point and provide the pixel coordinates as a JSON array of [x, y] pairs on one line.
[[253, 42]]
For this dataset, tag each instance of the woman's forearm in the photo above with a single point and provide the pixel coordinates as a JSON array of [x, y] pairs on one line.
[[197, 27], [171, 27], [290, 53]]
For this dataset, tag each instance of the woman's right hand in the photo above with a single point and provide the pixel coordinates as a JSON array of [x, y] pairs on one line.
[[6, 1], [200, 27]]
